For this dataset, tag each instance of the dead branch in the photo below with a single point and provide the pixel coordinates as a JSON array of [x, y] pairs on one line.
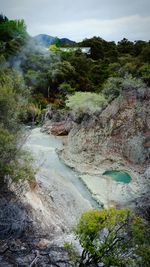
[[35, 259]]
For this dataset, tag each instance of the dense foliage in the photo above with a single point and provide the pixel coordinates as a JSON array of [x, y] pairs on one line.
[[47, 71], [82, 82], [113, 238], [14, 95]]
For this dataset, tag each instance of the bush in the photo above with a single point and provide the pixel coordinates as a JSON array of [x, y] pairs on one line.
[[7, 149], [130, 83], [13, 103], [145, 73], [65, 89], [114, 86], [21, 170], [33, 112], [86, 103], [113, 238]]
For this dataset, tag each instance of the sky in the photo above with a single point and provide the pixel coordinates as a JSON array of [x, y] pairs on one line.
[[112, 20]]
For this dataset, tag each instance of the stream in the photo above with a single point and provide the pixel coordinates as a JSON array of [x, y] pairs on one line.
[[47, 163]]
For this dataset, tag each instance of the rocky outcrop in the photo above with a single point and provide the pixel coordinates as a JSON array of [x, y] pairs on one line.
[[121, 129], [59, 123], [117, 139], [32, 232], [134, 149], [59, 128]]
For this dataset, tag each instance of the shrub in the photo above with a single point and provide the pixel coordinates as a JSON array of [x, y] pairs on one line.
[[65, 88], [114, 86], [7, 149], [13, 101], [33, 112], [113, 238], [86, 103], [132, 83]]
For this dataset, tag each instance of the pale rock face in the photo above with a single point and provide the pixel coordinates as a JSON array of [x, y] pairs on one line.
[[147, 173], [134, 150]]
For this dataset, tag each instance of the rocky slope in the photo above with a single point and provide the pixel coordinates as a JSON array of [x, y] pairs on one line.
[[119, 138], [34, 226]]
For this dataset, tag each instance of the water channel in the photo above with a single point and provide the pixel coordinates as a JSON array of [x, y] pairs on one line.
[[43, 148]]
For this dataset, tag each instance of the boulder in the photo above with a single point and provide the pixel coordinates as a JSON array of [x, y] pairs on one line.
[[134, 150], [59, 128]]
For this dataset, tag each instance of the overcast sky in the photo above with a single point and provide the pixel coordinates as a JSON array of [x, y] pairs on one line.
[[78, 19]]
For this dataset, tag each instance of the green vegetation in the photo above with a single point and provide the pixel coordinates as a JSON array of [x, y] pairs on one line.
[[86, 103], [14, 96], [115, 85], [13, 103], [12, 35], [113, 238], [32, 77]]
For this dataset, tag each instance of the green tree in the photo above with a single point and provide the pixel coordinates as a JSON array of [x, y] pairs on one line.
[[13, 102], [12, 36], [145, 54], [13, 99], [97, 47], [53, 48], [125, 46], [113, 238]]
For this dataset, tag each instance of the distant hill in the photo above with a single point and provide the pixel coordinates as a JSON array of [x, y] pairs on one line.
[[46, 40], [66, 41]]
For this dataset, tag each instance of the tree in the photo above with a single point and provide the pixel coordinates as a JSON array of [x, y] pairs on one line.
[[12, 35], [145, 54], [113, 238], [53, 48], [13, 99], [125, 46], [13, 102], [97, 47]]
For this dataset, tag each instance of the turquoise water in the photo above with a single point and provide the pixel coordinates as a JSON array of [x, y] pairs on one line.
[[119, 176]]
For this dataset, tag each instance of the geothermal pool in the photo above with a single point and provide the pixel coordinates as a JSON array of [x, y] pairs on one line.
[[118, 176]]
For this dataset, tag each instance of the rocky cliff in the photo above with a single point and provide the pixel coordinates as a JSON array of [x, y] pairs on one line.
[[122, 129]]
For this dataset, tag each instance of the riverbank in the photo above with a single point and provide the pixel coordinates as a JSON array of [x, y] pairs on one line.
[[103, 188], [64, 196]]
